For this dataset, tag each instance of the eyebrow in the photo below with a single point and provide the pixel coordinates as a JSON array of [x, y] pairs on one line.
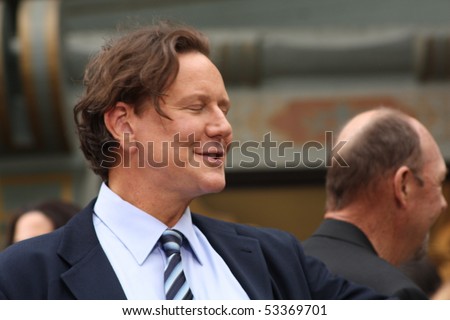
[[203, 97]]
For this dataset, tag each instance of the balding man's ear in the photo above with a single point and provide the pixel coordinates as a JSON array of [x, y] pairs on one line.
[[403, 184], [118, 121]]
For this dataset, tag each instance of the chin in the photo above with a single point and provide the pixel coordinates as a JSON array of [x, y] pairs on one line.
[[213, 186], [216, 188]]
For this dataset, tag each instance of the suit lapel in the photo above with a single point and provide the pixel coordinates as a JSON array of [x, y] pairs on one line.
[[242, 254], [89, 265], [90, 275]]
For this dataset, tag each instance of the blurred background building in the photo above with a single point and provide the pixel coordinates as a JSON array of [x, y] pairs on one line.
[[294, 69]]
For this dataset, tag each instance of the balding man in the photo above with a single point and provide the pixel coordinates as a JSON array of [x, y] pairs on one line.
[[381, 206]]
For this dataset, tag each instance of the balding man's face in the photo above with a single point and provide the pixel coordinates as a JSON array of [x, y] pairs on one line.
[[429, 202]]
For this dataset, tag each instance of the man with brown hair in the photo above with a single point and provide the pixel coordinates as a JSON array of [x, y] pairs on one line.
[[153, 124], [381, 205]]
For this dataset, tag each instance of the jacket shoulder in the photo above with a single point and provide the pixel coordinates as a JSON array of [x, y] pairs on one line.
[[26, 267], [265, 235]]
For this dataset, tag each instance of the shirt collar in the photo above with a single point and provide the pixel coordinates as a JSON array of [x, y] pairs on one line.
[[137, 230]]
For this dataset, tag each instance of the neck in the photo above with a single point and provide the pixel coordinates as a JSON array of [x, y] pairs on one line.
[[378, 224], [161, 204]]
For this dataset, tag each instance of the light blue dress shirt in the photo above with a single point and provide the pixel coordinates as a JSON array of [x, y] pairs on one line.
[[129, 237]]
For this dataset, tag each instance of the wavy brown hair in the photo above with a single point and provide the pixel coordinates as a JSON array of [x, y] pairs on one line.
[[136, 67]]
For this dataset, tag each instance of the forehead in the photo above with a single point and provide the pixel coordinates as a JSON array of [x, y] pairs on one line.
[[33, 217], [197, 76], [195, 63], [432, 156]]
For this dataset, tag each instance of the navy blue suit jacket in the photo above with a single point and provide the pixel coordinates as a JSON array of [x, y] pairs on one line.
[[70, 263]]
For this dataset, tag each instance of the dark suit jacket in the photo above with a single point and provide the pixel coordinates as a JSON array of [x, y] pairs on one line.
[[347, 252], [69, 263]]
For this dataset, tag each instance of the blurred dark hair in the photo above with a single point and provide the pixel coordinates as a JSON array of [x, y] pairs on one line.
[[58, 211]]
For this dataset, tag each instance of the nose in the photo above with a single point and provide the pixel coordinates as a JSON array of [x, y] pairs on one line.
[[219, 126]]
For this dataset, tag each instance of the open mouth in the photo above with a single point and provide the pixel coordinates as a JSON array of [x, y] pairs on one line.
[[212, 156]]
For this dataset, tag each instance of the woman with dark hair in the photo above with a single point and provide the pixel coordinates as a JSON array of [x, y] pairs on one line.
[[34, 220]]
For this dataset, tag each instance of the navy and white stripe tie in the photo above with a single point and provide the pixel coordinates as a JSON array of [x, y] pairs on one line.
[[175, 284]]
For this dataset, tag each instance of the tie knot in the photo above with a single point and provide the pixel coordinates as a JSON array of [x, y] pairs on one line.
[[171, 241]]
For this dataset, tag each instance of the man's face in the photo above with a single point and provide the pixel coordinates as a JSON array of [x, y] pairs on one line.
[[429, 202], [185, 155]]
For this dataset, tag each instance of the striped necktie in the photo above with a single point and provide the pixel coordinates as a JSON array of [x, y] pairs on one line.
[[175, 284]]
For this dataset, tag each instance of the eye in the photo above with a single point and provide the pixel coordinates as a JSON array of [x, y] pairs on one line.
[[225, 109], [196, 107]]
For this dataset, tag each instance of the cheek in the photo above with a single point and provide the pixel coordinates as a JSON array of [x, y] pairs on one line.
[[439, 197], [228, 139], [436, 204], [189, 132]]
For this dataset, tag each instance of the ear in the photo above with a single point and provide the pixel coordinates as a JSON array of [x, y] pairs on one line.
[[403, 184], [118, 121]]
